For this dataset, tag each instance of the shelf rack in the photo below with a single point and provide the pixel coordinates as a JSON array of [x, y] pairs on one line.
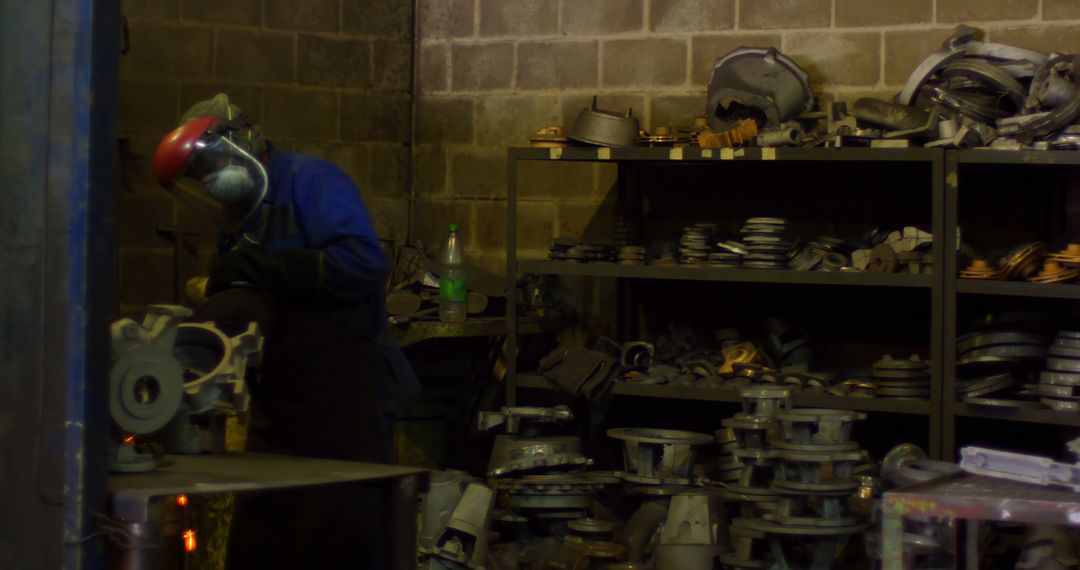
[[946, 291]]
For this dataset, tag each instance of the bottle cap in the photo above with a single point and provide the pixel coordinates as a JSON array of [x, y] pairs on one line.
[[453, 227]]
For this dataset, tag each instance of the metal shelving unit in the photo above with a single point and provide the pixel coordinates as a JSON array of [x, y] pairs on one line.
[[963, 165], [628, 162]]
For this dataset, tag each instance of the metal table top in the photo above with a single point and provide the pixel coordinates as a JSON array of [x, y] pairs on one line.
[[197, 474], [987, 498]]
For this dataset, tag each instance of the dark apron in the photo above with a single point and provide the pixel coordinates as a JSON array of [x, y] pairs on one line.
[[318, 396]]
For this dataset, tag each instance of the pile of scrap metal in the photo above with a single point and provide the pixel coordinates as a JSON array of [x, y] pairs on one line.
[[967, 94], [1017, 359], [535, 510], [175, 383], [678, 358], [1032, 262], [762, 243]]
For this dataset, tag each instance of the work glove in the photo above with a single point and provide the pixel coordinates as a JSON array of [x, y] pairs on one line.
[[294, 273]]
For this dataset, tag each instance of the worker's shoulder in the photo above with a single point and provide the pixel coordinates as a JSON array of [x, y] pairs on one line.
[[303, 166]]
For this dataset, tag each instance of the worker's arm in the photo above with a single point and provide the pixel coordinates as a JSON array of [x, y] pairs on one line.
[[343, 254]]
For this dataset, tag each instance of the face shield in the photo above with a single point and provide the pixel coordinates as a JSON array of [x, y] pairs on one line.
[[201, 165]]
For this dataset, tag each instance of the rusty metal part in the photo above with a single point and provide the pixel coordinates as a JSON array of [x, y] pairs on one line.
[[548, 137], [1054, 272], [893, 116], [1023, 261], [742, 134], [1069, 257], [756, 83], [988, 75], [980, 269], [882, 259]]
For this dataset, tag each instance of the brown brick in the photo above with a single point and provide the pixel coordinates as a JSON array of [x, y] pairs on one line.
[[481, 67], [691, 15], [391, 218], [518, 17], [255, 56], [147, 106], [589, 222], [504, 121], [489, 225], [444, 120], [850, 13], [676, 110], [1061, 10], [387, 18], [904, 50], [378, 117], [535, 225], [1044, 38], [555, 180], [168, 9], [308, 16], [168, 50], [446, 18], [239, 12], [138, 217], [429, 169], [393, 65], [300, 113], [434, 65], [620, 102], [390, 170], [705, 49], [602, 16], [557, 65], [982, 10], [778, 14], [659, 61], [478, 172], [244, 95], [332, 61], [145, 277], [352, 158], [837, 58], [432, 217]]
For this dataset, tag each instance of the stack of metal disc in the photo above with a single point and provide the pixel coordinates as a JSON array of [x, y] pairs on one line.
[[631, 255], [585, 253], [811, 255], [1059, 382], [560, 246], [766, 244], [902, 378], [696, 243]]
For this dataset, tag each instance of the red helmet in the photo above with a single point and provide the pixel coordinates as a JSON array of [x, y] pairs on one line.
[[175, 150]]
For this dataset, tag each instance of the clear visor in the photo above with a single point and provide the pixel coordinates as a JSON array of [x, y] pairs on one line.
[[222, 182]]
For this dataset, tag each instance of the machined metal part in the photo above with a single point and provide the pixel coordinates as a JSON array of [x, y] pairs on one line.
[[516, 454], [1023, 261], [215, 366], [465, 538], [817, 426], [659, 453], [882, 259], [985, 386], [692, 518], [899, 457], [1067, 365], [146, 380], [513, 416], [980, 339], [636, 354], [922, 470], [437, 505], [983, 366], [605, 128], [1001, 403], [980, 269], [787, 134], [1019, 467], [757, 83], [889, 115], [1012, 351], [1059, 378]]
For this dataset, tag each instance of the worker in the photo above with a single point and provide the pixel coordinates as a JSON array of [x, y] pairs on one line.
[[296, 228]]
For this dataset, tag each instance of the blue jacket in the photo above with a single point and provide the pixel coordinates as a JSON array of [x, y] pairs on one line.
[[312, 205]]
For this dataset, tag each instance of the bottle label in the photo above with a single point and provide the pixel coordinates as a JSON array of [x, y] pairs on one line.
[[453, 289]]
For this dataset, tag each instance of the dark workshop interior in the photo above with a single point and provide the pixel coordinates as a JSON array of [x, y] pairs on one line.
[[540, 284]]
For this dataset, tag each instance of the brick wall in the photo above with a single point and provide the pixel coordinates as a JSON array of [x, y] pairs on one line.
[[325, 77], [492, 71]]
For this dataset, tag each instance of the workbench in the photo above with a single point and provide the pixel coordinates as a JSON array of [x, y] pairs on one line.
[[972, 498], [132, 495]]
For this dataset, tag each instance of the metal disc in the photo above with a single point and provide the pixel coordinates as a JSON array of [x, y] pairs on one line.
[[1059, 378], [1063, 364], [145, 389], [999, 403]]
